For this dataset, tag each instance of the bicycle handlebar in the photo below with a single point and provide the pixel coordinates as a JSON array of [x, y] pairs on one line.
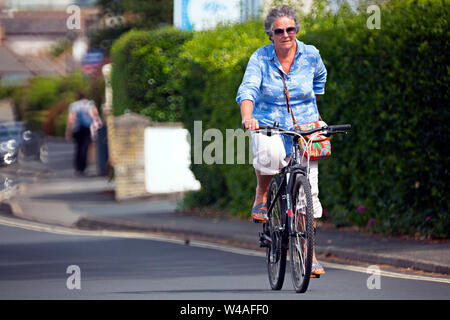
[[326, 130], [342, 127]]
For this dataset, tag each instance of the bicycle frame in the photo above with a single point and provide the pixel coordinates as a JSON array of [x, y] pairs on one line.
[[293, 168], [284, 230], [288, 175]]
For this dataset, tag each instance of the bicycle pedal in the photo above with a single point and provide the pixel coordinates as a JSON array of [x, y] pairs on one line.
[[264, 240], [317, 276]]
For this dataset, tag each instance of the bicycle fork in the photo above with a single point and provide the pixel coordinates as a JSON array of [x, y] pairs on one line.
[[290, 206]]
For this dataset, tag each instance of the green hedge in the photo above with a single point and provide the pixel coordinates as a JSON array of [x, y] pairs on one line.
[[144, 77], [389, 174], [391, 84]]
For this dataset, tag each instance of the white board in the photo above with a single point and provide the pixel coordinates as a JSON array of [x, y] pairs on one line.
[[167, 161], [205, 14]]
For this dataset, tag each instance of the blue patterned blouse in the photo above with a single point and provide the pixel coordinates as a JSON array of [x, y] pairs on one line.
[[263, 85]]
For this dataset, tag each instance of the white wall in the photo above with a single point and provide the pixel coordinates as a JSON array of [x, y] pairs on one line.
[[30, 45], [167, 161]]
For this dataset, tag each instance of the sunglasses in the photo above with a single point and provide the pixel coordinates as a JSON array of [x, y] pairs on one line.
[[290, 30]]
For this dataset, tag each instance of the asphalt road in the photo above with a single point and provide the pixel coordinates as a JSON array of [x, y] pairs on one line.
[[36, 265]]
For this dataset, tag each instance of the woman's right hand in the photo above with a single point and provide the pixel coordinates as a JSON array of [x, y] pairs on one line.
[[250, 124]]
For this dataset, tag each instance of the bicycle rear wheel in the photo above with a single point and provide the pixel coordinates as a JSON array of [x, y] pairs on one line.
[[301, 242], [276, 251]]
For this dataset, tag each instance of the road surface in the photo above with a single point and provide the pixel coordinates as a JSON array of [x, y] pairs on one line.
[[47, 263]]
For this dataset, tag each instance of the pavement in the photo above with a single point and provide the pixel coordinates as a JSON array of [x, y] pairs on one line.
[[52, 194]]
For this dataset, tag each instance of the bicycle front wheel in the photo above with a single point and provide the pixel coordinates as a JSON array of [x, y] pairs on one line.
[[301, 242], [276, 251]]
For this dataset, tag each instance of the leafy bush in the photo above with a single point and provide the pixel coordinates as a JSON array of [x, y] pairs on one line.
[[43, 92], [104, 38], [59, 47], [392, 86], [144, 78]]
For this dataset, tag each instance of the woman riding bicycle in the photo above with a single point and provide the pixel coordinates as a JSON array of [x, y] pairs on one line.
[[262, 100]]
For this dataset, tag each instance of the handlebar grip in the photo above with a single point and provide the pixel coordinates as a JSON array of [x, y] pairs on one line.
[[340, 127]]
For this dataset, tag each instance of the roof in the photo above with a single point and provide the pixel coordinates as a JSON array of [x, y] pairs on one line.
[[42, 22], [10, 64], [34, 26], [15, 69], [42, 64]]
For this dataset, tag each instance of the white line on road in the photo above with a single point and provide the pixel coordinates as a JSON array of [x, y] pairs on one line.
[[28, 225], [384, 273]]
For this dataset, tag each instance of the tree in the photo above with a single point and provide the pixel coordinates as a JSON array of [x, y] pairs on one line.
[[152, 14], [122, 15]]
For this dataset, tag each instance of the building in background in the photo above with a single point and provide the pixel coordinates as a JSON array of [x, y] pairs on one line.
[[35, 36], [206, 14], [44, 4]]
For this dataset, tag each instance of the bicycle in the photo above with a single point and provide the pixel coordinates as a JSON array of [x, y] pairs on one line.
[[290, 224]]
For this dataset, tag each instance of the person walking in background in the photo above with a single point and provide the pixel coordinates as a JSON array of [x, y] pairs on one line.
[[83, 122]]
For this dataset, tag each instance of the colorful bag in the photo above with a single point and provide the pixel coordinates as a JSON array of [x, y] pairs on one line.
[[320, 147]]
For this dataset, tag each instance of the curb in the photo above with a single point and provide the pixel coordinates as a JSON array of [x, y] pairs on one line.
[[90, 223], [383, 259]]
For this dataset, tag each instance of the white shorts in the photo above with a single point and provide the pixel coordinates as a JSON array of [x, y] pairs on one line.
[[270, 157]]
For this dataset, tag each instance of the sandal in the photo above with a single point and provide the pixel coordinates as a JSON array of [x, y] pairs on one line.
[[259, 215], [317, 269]]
